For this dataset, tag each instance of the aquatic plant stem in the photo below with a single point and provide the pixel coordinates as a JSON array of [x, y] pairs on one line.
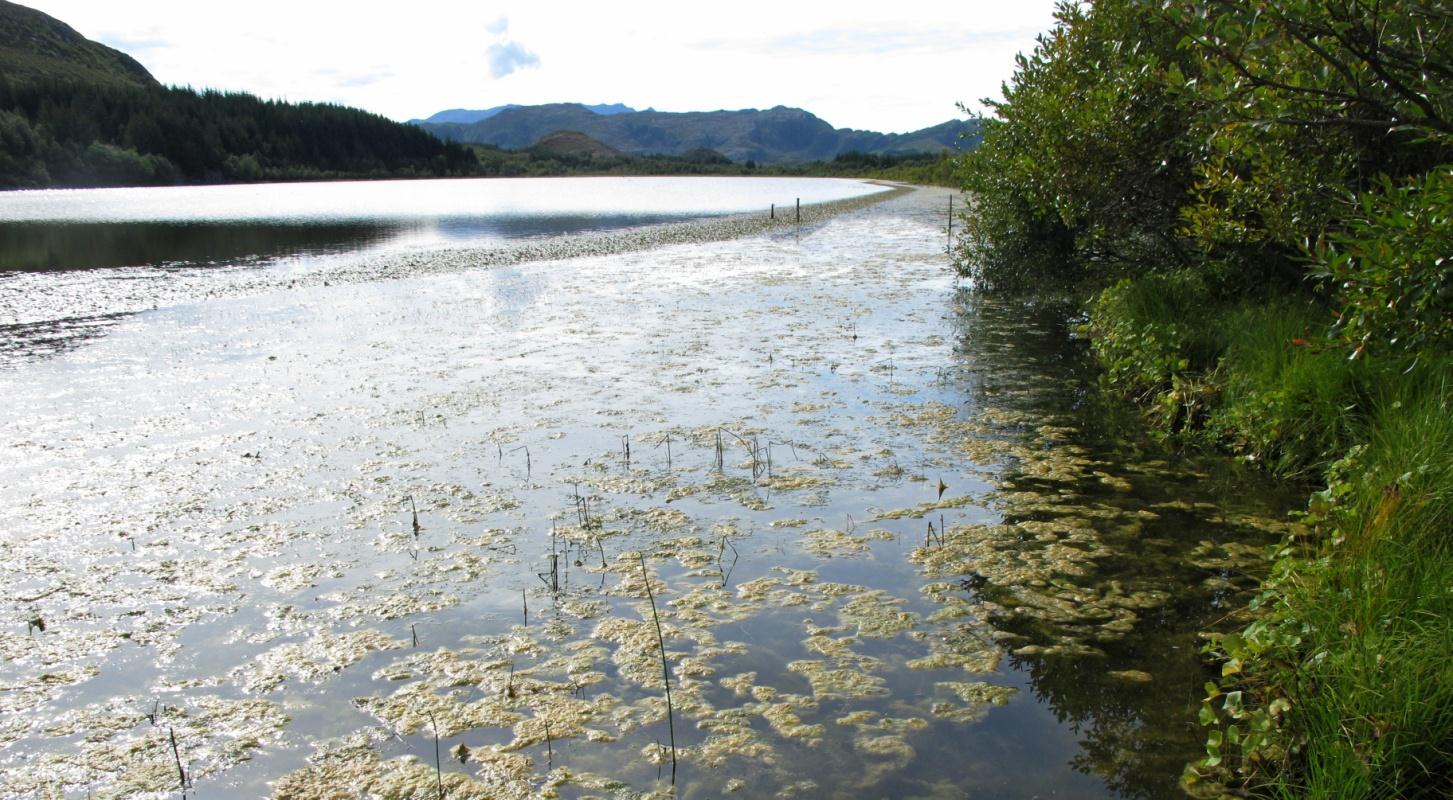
[[438, 765], [177, 754], [665, 669]]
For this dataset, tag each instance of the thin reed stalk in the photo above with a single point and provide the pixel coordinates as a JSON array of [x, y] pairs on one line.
[[665, 669]]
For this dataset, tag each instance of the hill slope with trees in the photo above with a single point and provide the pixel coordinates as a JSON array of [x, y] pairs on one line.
[[77, 113], [35, 45]]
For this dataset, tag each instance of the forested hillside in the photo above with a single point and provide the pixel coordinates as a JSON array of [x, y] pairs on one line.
[[1256, 198], [36, 45], [77, 113]]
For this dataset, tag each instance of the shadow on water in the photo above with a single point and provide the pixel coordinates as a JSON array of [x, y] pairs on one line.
[[44, 247], [34, 341], [1169, 545], [48, 246]]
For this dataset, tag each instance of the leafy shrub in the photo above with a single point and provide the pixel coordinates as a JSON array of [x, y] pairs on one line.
[[1151, 330], [1393, 265]]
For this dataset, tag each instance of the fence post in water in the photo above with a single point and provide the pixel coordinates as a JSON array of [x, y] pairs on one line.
[[774, 211], [799, 209]]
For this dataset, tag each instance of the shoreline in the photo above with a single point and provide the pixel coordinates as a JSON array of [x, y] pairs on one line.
[[614, 242]]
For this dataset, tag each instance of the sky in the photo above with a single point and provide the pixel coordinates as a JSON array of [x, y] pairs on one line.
[[883, 65]]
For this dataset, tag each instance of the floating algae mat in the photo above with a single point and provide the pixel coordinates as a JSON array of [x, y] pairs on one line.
[[412, 537]]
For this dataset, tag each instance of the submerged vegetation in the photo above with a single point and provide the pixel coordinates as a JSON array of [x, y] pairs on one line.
[[1257, 200], [888, 549]]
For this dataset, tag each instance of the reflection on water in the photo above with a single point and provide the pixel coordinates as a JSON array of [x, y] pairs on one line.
[[35, 341], [388, 201], [70, 229], [40, 246], [1162, 546]]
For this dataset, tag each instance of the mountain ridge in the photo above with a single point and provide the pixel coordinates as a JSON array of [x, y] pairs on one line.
[[770, 136], [469, 116]]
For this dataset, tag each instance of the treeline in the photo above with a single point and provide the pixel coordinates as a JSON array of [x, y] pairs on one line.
[[75, 133], [922, 168], [1257, 201]]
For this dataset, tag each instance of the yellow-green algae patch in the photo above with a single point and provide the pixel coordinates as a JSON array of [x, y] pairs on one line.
[[351, 767], [786, 482], [976, 697], [214, 733], [322, 656], [846, 683], [42, 688], [784, 719], [832, 543], [877, 613], [557, 715], [419, 706]]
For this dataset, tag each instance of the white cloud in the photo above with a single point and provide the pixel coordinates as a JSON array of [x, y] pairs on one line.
[[506, 57], [499, 26]]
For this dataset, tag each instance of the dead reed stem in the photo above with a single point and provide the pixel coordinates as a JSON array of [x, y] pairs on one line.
[[438, 765], [177, 754], [665, 668]]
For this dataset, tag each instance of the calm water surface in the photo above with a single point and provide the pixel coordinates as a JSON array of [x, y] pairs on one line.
[[318, 534], [68, 229]]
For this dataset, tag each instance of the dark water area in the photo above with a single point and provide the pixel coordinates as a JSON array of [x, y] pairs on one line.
[[43, 247], [56, 246], [1201, 524]]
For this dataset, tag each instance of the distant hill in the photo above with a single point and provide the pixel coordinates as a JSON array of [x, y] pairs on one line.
[[464, 116], [37, 45], [573, 143], [773, 136]]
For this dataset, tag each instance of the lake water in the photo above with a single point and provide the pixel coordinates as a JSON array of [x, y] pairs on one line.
[[386, 522], [49, 230]]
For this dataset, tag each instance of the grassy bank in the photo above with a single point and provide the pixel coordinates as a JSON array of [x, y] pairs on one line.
[[1259, 196], [1343, 686]]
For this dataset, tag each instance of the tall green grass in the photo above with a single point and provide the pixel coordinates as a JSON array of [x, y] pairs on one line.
[[1372, 687], [1290, 399], [1343, 688]]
